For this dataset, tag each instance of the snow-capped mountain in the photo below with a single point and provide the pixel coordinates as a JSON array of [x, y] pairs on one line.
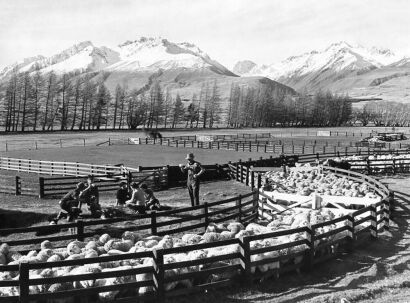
[[157, 53], [338, 57], [342, 68], [243, 67], [80, 57], [143, 54]]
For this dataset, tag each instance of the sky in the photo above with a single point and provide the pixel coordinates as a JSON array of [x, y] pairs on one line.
[[264, 31]]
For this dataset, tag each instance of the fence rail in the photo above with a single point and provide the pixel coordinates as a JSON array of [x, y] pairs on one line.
[[57, 168]]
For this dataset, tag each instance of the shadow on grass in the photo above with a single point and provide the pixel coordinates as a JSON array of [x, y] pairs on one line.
[[16, 218]]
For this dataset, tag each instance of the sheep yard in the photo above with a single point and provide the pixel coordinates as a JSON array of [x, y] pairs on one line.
[[373, 270]]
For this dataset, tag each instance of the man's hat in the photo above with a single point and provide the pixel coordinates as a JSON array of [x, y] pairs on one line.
[[123, 183], [190, 156], [80, 186]]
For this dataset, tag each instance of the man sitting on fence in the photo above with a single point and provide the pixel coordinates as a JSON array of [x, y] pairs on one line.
[[151, 202], [137, 201], [70, 204], [91, 197]]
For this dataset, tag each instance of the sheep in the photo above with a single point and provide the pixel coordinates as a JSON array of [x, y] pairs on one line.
[[145, 276], [85, 269], [111, 295]]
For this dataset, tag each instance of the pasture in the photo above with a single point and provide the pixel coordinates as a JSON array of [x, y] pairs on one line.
[[376, 271]]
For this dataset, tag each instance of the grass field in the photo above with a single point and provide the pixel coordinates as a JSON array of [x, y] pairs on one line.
[[90, 138]]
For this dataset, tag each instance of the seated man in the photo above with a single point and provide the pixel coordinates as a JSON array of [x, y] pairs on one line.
[[137, 201], [122, 194], [69, 204], [90, 196], [151, 201]]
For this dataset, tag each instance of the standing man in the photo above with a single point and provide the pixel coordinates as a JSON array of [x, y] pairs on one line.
[[195, 170]]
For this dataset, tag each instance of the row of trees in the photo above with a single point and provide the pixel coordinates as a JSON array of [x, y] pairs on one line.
[[383, 114], [39, 101], [272, 106], [72, 102]]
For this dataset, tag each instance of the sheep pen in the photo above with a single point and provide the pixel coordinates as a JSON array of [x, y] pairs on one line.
[[268, 242]]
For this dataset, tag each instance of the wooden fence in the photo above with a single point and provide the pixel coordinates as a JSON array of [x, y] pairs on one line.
[[232, 259], [277, 147], [57, 168], [241, 208], [171, 176], [156, 178]]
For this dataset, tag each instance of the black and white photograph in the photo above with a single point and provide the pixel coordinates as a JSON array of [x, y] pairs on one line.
[[196, 151]]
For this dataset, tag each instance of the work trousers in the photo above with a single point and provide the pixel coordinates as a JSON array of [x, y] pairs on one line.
[[68, 205], [193, 189]]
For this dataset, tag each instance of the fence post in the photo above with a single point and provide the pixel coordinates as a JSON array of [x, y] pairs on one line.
[[350, 224], [80, 230], [255, 200], [241, 173], [373, 221], [159, 274], [247, 176], [23, 281], [18, 186], [84, 141], [259, 184], [394, 166], [206, 218], [311, 234], [263, 201], [386, 215], [245, 249], [41, 187], [239, 204], [369, 169], [252, 179], [154, 222], [237, 169]]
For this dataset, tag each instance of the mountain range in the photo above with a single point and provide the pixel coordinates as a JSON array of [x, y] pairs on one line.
[[341, 68], [183, 68]]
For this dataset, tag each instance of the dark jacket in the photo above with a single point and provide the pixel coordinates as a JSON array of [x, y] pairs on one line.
[[194, 169]]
